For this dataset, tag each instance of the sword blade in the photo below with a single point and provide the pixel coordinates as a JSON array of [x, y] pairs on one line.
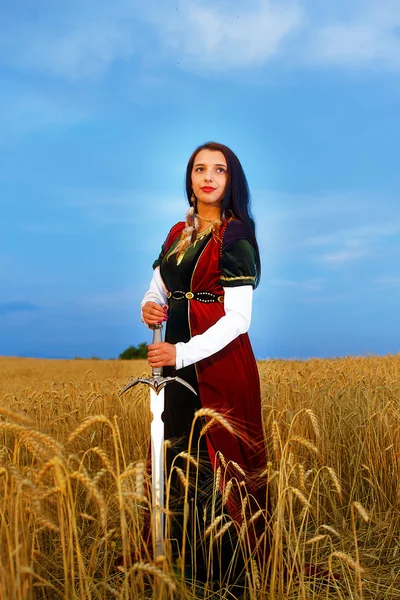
[[157, 468]]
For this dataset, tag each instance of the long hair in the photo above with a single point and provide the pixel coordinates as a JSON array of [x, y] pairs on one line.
[[236, 200]]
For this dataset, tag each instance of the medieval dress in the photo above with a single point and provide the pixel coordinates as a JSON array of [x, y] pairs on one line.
[[195, 286]]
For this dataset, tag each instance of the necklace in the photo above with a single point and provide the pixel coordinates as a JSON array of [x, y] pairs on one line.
[[207, 220], [201, 234]]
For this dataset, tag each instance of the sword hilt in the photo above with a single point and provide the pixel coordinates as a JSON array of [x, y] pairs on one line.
[[157, 337], [157, 382]]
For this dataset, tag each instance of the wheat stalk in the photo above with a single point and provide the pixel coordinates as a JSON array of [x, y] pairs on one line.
[[300, 496], [361, 510], [223, 530], [20, 418], [155, 572], [207, 426], [348, 560], [213, 414], [88, 423], [227, 492], [335, 480], [316, 539], [304, 442], [190, 458], [331, 530], [314, 422], [213, 525]]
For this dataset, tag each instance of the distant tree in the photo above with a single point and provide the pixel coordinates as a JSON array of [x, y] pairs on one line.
[[134, 352]]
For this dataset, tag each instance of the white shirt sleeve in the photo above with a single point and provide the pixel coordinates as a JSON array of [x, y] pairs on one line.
[[237, 318], [157, 291]]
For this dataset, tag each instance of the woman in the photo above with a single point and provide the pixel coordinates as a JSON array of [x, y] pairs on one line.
[[202, 287]]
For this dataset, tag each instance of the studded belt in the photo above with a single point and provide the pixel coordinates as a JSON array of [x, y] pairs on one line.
[[200, 296]]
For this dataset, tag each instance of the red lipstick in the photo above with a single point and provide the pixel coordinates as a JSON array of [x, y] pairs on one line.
[[207, 188]]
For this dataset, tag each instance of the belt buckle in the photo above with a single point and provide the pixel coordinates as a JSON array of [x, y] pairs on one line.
[[189, 295], [220, 299]]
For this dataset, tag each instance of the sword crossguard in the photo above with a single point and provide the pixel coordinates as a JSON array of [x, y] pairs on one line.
[[157, 383]]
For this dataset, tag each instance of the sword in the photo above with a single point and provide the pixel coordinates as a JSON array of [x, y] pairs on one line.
[[157, 384]]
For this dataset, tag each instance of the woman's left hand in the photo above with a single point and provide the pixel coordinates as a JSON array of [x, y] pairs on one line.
[[161, 354]]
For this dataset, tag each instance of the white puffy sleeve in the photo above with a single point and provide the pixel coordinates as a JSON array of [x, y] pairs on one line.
[[157, 291]]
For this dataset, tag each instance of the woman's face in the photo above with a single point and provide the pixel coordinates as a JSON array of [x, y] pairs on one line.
[[209, 178]]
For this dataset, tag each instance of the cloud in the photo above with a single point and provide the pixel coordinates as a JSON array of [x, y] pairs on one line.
[[343, 246], [331, 229], [220, 35], [17, 306], [82, 41], [388, 282], [310, 285], [332, 298], [355, 235], [343, 256], [370, 38]]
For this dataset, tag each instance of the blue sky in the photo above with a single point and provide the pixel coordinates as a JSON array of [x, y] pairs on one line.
[[101, 104]]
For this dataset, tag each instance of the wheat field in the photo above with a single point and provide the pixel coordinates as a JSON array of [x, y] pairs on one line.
[[73, 480]]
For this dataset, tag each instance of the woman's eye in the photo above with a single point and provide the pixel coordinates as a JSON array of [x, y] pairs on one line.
[[219, 169]]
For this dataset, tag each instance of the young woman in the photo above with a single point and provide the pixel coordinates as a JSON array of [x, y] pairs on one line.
[[202, 287]]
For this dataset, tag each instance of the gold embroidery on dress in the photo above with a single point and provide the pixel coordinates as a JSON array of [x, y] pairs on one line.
[[234, 278]]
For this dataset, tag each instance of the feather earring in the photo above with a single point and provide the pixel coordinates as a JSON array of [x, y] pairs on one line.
[[188, 235]]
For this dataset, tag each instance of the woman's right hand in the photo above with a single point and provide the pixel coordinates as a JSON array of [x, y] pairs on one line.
[[153, 313]]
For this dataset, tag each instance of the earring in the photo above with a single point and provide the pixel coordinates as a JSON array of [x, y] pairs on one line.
[[192, 198]]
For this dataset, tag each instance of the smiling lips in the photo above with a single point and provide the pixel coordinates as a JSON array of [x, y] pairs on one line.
[[207, 188]]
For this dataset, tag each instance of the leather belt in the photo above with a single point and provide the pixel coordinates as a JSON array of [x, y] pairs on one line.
[[200, 296]]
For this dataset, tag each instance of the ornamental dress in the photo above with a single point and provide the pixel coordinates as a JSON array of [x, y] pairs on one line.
[[226, 382]]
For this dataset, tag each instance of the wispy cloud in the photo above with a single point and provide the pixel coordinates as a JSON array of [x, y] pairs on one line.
[[222, 35], [311, 285], [79, 42], [17, 306], [76, 41], [346, 245], [219, 36], [329, 229], [332, 298], [367, 37], [388, 282], [343, 256]]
